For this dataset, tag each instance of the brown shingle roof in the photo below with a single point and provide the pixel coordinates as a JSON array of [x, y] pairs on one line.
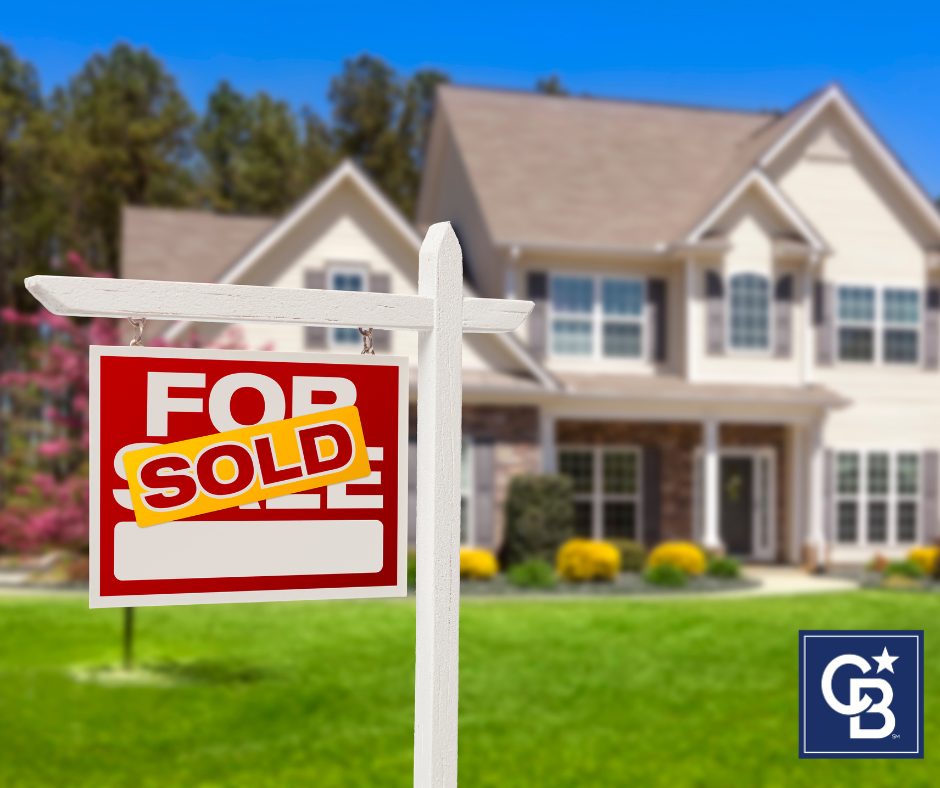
[[568, 171], [191, 246]]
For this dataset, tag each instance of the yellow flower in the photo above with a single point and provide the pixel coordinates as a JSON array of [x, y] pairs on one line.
[[925, 558], [586, 559], [682, 555], [477, 563]]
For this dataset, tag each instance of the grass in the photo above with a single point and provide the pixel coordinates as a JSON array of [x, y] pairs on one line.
[[591, 692]]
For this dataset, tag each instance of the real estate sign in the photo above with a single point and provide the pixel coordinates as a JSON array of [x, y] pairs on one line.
[[227, 476]]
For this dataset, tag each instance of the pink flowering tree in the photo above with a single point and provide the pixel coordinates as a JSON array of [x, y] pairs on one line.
[[44, 422]]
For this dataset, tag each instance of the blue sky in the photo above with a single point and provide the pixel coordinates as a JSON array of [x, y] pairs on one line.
[[754, 55]]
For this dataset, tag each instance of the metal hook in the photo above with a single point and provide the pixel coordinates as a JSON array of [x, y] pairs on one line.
[[367, 344], [138, 324]]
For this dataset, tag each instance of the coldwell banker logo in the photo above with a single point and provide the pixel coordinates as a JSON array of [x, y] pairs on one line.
[[862, 694]]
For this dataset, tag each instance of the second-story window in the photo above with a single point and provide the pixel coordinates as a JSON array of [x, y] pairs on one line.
[[749, 327], [872, 328], [597, 316], [346, 279]]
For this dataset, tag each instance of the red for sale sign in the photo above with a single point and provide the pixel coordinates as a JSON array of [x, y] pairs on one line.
[[230, 476]]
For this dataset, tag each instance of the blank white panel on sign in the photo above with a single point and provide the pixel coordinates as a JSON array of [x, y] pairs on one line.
[[247, 549]]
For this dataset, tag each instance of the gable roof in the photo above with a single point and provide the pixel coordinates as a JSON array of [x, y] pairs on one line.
[[565, 171], [568, 172], [187, 245], [275, 230]]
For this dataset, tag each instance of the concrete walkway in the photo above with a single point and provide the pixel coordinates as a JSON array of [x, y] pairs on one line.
[[779, 580]]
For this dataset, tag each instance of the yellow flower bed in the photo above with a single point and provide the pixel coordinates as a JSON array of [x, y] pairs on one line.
[[579, 560], [925, 557], [477, 563], [686, 556]]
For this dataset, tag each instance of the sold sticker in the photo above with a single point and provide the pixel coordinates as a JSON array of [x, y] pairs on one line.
[[245, 465]]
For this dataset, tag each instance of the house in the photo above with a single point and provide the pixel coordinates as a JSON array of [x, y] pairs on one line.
[[736, 336]]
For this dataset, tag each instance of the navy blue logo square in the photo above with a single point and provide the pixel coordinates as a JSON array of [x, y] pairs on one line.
[[862, 694]]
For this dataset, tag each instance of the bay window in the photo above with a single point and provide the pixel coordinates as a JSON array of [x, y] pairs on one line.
[[597, 316]]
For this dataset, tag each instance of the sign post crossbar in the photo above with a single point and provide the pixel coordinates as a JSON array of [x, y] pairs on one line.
[[441, 314]]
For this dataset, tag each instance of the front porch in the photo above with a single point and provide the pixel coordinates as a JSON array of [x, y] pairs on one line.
[[738, 487]]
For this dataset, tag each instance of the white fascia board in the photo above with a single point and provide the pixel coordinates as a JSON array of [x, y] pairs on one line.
[[834, 97]]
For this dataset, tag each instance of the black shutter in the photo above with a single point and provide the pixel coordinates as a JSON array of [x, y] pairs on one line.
[[656, 298], [381, 338], [315, 336], [537, 291], [483, 451], [652, 520], [714, 313], [783, 317], [829, 500], [412, 489], [824, 321], [931, 529], [932, 329]]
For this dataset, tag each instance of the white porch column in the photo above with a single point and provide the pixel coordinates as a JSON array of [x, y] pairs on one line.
[[816, 534], [549, 449], [711, 508]]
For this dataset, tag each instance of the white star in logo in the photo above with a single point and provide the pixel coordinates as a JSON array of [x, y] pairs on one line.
[[885, 661]]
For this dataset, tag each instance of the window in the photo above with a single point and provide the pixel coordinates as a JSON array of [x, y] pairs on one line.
[[867, 332], [597, 317], [750, 312], [467, 535], [606, 482], [877, 497], [901, 326], [346, 279]]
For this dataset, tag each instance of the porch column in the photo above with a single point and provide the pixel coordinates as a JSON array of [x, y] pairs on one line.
[[816, 532], [547, 426], [711, 508]]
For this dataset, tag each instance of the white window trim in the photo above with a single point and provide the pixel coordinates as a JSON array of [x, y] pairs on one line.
[[597, 497], [878, 325], [762, 352], [597, 318], [334, 269], [892, 498], [466, 492]]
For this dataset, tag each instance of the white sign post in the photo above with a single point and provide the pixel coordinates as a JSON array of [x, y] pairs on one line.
[[441, 314]]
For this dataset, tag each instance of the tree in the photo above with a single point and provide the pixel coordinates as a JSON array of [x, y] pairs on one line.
[[125, 132], [27, 205], [383, 124], [551, 86], [268, 179], [221, 137], [317, 154]]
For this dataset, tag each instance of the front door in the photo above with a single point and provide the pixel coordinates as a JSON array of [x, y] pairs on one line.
[[737, 499]]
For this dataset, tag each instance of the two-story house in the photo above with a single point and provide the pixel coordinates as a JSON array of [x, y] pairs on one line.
[[736, 336]]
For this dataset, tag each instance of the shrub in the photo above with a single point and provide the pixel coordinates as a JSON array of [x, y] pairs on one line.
[[477, 563], [904, 569], [539, 518], [723, 566], [925, 558], [412, 568], [666, 575], [586, 559], [877, 564], [534, 573], [632, 554], [682, 555]]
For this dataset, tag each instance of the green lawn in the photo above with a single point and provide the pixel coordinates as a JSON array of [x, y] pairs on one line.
[[552, 693]]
